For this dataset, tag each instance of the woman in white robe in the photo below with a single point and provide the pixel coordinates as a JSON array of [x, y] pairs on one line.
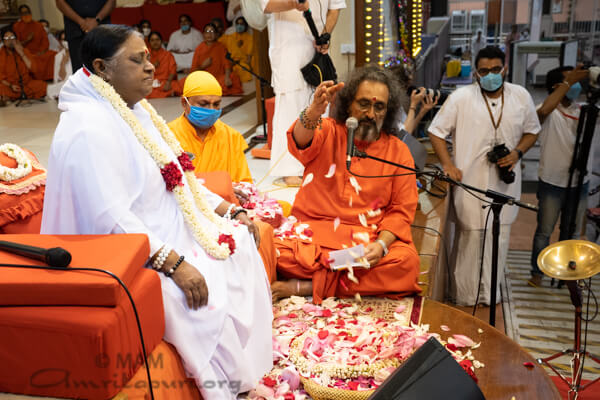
[[102, 180]]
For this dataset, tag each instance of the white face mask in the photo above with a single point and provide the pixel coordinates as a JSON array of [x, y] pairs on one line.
[[47, 29], [65, 44], [146, 31]]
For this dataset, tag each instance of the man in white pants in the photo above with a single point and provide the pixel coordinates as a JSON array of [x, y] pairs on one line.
[[291, 48], [480, 116]]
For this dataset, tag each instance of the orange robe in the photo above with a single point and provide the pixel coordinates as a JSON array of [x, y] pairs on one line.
[[240, 46], [43, 58], [221, 150], [319, 202], [12, 69], [217, 67], [165, 65]]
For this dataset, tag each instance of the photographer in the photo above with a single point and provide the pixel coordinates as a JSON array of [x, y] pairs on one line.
[[492, 123], [559, 116]]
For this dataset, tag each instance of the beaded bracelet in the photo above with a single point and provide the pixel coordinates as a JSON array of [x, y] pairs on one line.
[[228, 212], [307, 123], [238, 212], [160, 259], [172, 270]]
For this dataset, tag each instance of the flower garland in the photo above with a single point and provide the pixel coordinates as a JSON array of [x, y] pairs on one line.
[[24, 166], [219, 248]]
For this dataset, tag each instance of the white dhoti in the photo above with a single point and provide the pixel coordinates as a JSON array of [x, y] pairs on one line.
[[287, 109], [466, 264]]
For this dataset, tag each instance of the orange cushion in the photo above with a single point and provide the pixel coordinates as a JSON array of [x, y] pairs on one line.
[[124, 255], [79, 352], [219, 182]]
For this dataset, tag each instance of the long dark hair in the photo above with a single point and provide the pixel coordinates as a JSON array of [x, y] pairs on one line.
[[103, 42], [346, 96]]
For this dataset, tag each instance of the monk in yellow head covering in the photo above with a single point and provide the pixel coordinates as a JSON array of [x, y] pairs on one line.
[[216, 146]]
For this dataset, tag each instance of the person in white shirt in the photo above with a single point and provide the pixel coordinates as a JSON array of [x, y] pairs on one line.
[[559, 115], [291, 47], [52, 41], [478, 117], [478, 42], [183, 42], [62, 68]]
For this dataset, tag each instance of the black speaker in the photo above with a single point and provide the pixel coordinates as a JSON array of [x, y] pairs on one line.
[[430, 373]]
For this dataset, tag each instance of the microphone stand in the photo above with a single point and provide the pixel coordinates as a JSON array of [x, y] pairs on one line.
[[498, 200], [263, 83]]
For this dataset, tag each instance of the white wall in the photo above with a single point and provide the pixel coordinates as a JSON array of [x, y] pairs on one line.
[[343, 34]]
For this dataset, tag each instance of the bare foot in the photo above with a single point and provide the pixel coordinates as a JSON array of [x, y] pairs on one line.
[[283, 289], [292, 180]]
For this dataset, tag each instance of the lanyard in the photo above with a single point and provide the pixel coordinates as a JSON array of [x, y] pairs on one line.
[[494, 123]]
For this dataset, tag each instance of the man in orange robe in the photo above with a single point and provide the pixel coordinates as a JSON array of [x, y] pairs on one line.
[[210, 57], [216, 146], [165, 70], [342, 210], [34, 38], [15, 71]]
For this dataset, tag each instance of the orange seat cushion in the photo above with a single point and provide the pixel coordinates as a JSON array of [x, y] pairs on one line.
[[124, 255], [79, 352], [219, 182]]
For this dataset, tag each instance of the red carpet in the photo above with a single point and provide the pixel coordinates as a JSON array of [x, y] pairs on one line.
[[591, 393]]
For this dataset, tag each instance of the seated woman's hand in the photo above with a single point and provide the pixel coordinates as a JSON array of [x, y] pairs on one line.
[[193, 285], [252, 228]]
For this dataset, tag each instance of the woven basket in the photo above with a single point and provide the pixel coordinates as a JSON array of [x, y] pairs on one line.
[[318, 392]]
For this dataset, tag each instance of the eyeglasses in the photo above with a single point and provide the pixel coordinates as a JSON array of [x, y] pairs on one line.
[[485, 71], [10, 37], [365, 105], [209, 31]]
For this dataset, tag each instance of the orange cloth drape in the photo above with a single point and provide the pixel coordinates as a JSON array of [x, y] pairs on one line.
[[319, 202], [43, 58], [164, 64], [221, 150], [22, 200], [216, 52], [13, 70]]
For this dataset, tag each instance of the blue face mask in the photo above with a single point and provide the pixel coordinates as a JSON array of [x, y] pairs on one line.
[[185, 28], [239, 28], [491, 82], [574, 92], [202, 117]]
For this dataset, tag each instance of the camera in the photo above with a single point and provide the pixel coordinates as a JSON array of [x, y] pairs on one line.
[[441, 94], [497, 152], [323, 39]]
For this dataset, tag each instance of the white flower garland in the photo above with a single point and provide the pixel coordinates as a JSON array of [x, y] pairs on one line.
[[208, 243], [23, 163]]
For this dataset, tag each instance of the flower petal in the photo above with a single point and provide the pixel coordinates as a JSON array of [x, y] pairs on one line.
[[331, 171], [336, 223], [308, 179], [445, 328], [355, 184]]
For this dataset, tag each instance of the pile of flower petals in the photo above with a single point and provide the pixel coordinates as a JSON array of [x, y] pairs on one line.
[[260, 206], [347, 334]]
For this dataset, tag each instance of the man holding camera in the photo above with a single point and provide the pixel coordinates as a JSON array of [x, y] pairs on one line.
[[492, 123], [559, 115]]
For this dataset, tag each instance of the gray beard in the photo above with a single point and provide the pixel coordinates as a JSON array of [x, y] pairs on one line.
[[368, 132]]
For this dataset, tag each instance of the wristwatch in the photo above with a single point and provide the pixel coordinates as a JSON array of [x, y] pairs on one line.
[[520, 153]]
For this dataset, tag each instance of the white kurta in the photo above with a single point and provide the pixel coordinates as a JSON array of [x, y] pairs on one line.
[[186, 43], [101, 180], [464, 117], [290, 49]]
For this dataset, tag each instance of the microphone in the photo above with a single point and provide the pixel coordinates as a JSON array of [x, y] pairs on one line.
[[351, 125], [54, 257], [228, 56]]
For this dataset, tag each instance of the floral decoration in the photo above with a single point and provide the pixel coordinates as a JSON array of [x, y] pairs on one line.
[[24, 165]]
